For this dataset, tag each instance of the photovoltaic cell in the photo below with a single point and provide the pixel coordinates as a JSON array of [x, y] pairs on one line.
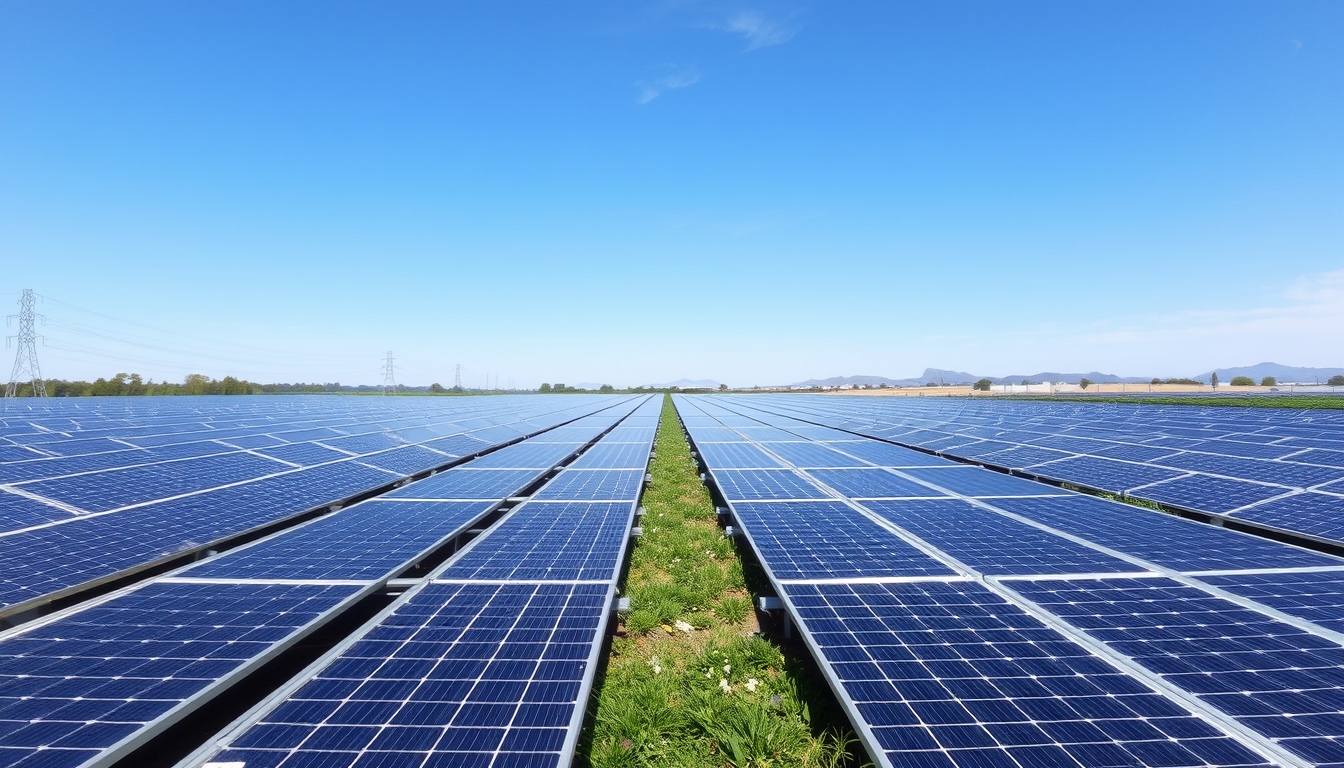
[[593, 484], [824, 540], [1315, 596], [1166, 540], [991, 543], [1316, 514], [872, 484], [736, 456], [541, 540], [1106, 474], [1210, 494], [974, 481], [370, 540], [812, 455], [765, 484], [950, 674], [1277, 679], [467, 483], [460, 675], [73, 688]]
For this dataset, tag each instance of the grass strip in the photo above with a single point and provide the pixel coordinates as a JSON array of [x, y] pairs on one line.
[[690, 682]]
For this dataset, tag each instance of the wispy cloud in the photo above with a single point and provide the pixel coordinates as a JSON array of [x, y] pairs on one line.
[[758, 31], [652, 89]]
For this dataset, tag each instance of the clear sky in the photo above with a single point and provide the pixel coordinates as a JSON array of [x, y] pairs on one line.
[[632, 192]]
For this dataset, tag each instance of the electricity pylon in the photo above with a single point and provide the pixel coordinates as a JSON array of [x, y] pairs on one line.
[[389, 375], [25, 359]]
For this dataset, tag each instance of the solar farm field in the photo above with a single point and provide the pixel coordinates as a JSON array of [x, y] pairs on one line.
[[452, 567], [967, 617]]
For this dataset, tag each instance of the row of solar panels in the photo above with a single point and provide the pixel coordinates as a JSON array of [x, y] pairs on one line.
[[1277, 469], [150, 514], [969, 618], [485, 660]]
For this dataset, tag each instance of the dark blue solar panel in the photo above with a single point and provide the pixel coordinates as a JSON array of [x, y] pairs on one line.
[[460, 675], [888, 455], [1129, 452], [371, 540], [949, 674], [75, 687], [467, 483], [1106, 474], [102, 491], [992, 543], [594, 484], [1163, 539], [608, 455], [527, 455], [823, 540], [1248, 450], [812, 455], [550, 541], [974, 481], [1020, 458], [1322, 457], [1313, 595], [303, 454], [19, 512], [765, 484], [1275, 678], [408, 460], [362, 444], [872, 483], [1280, 472], [1316, 514], [736, 456], [1210, 494]]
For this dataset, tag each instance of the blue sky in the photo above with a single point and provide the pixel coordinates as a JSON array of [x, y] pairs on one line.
[[633, 192]]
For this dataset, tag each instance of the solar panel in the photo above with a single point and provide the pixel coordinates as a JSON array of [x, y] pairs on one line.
[[828, 539], [78, 687], [466, 482], [1210, 494], [872, 484], [1315, 514], [1277, 679], [1316, 596], [370, 540], [593, 484], [1105, 474], [458, 675], [541, 540], [736, 455], [765, 484], [974, 481], [1166, 540], [949, 674], [614, 455], [812, 455], [991, 543]]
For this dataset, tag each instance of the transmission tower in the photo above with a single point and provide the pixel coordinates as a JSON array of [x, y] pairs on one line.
[[25, 359], [389, 375], [457, 377]]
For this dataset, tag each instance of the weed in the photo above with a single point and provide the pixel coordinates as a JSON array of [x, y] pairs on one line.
[[733, 610]]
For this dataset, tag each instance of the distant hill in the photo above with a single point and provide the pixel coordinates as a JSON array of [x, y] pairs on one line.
[[940, 376], [1284, 373]]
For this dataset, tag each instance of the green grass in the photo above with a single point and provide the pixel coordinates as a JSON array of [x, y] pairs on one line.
[[718, 694], [1238, 401]]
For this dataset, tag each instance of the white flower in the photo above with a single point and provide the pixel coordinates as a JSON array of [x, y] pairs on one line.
[[724, 685], [653, 662], [683, 626], [727, 668], [752, 683]]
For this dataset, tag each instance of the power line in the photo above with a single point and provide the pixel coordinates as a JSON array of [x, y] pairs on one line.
[[25, 358]]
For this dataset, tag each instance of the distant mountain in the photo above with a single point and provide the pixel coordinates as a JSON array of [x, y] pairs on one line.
[[1284, 373], [687, 384], [940, 376]]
